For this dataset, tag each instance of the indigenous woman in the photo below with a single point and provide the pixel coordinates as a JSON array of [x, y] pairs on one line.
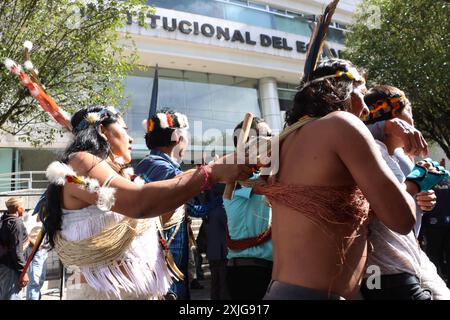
[[97, 229], [92, 212]]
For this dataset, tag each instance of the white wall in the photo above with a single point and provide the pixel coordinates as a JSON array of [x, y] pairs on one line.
[[177, 50], [8, 140]]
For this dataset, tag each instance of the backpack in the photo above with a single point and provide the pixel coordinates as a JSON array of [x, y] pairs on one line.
[[4, 247]]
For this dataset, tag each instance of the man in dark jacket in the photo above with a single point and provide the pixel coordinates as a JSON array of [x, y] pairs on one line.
[[13, 239], [216, 248]]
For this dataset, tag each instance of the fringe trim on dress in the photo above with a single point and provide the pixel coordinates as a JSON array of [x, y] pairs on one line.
[[141, 267]]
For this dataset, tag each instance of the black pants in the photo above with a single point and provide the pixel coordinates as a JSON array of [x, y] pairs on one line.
[[437, 248], [248, 282], [219, 289], [278, 290], [401, 286]]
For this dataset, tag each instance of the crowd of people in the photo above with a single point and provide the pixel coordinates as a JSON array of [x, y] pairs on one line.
[[339, 220]]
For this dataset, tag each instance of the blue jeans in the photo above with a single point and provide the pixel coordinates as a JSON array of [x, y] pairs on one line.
[[9, 284], [180, 252], [36, 273]]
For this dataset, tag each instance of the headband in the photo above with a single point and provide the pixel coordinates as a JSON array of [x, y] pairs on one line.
[[163, 120], [95, 118], [384, 108]]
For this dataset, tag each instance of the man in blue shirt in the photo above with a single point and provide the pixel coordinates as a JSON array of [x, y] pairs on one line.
[[249, 267], [166, 137]]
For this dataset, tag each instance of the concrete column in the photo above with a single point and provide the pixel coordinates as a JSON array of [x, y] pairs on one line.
[[270, 105]]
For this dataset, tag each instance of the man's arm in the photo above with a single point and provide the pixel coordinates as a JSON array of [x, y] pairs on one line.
[[18, 235], [389, 200], [414, 143], [201, 210], [426, 200], [31, 241], [413, 140]]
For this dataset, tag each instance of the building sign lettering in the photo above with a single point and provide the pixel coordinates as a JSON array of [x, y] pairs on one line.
[[208, 30]]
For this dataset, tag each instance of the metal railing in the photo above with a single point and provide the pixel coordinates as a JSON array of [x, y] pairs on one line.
[[23, 180]]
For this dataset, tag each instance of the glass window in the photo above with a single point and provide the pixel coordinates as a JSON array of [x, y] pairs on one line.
[[6, 165], [167, 97], [242, 2], [248, 16], [248, 12], [285, 98], [203, 7], [245, 82], [294, 14], [257, 5], [197, 101], [335, 35], [138, 92], [213, 103], [291, 25], [169, 73], [340, 26], [195, 76], [292, 87], [275, 10], [221, 79]]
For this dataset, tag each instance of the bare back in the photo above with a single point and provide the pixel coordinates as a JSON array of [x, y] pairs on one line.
[[308, 253]]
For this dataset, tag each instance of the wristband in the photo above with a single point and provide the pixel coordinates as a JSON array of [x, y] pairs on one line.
[[425, 179], [207, 185]]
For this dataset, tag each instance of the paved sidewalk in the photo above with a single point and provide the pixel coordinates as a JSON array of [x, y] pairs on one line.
[[203, 294], [197, 294]]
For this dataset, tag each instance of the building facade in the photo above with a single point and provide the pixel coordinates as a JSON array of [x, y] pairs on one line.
[[218, 59]]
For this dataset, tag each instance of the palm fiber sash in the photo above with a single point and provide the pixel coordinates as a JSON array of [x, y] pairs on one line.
[[242, 244], [103, 248]]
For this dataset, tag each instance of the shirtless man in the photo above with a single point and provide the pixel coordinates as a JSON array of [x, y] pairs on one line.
[[319, 214]]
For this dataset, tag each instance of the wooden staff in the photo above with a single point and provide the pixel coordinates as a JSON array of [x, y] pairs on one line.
[[242, 139], [36, 246]]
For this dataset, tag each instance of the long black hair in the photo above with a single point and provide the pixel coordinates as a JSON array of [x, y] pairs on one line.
[[86, 138], [323, 97]]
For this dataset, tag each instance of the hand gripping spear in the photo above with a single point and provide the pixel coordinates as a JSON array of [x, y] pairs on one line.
[[243, 136]]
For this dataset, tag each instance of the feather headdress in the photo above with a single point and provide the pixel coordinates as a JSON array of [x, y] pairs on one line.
[[316, 43], [34, 86], [162, 120]]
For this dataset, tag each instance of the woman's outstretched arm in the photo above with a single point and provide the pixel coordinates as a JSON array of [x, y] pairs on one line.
[[151, 199]]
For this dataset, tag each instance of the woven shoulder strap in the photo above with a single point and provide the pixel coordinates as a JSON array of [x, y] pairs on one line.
[[251, 183], [109, 180], [294, 127]]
